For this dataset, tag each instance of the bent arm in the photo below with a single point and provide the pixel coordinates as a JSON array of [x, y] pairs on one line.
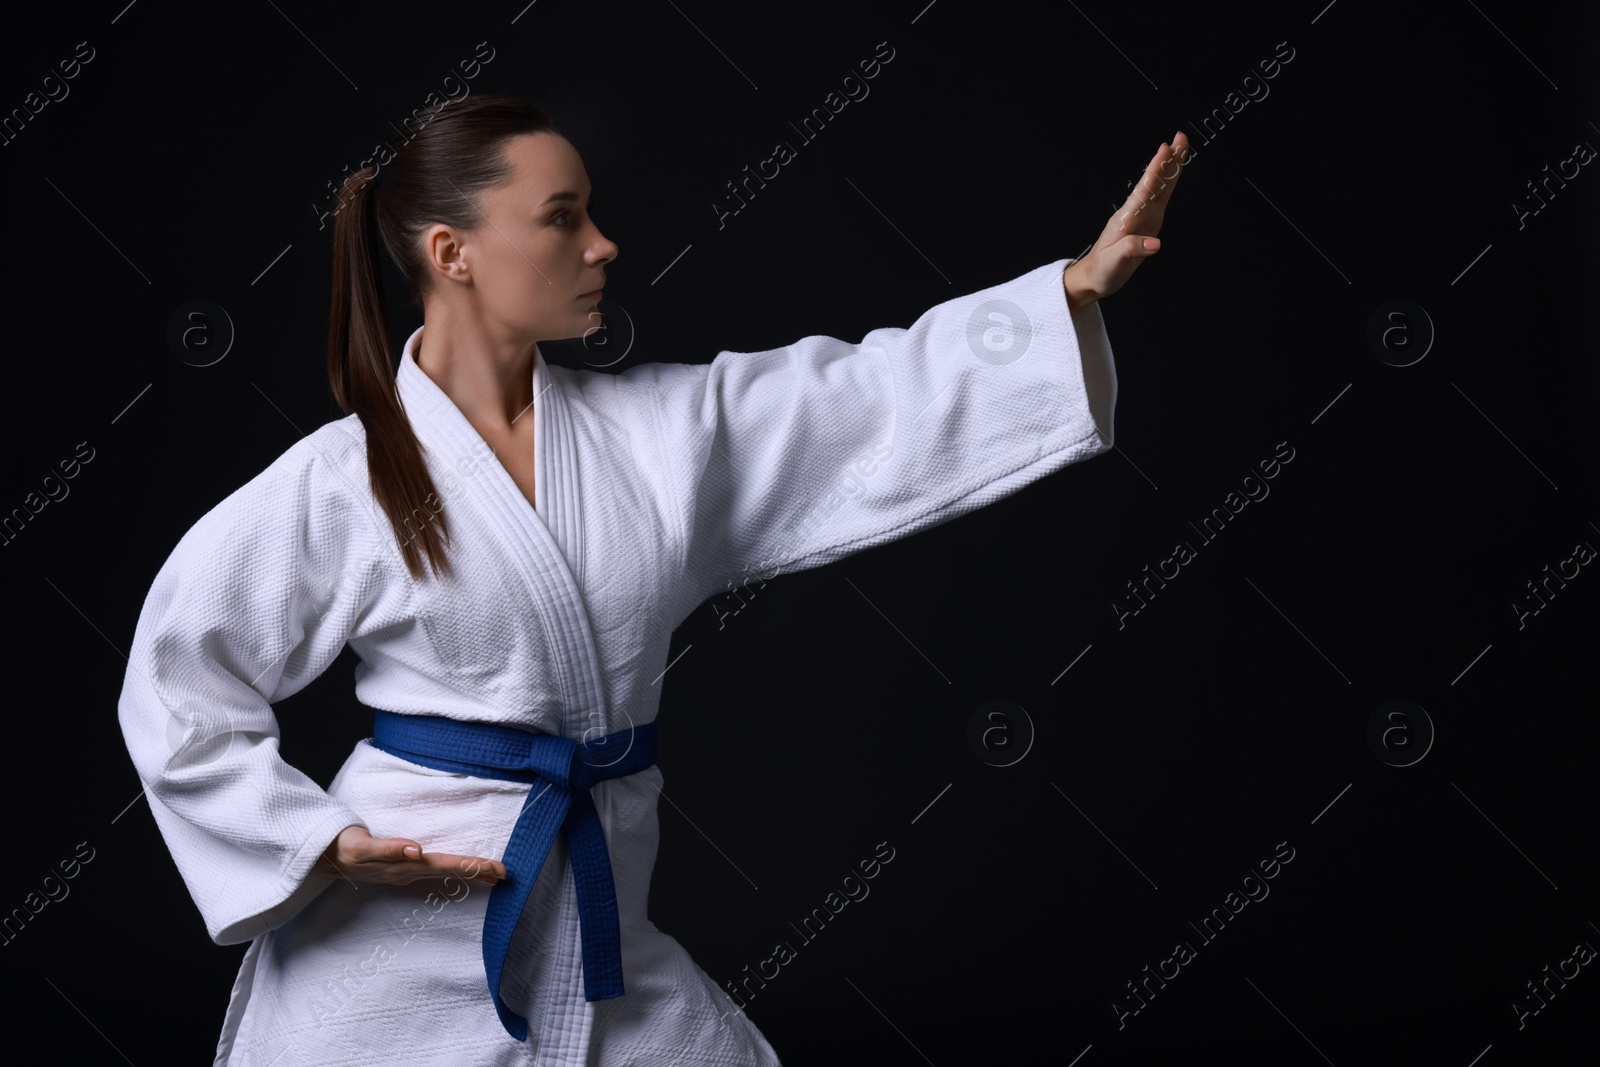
[[257, 599]]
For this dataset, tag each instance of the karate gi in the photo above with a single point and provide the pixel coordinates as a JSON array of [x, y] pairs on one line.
[[656, 489]]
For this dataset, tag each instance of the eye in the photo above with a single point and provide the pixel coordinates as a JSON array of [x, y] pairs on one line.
[[559, 216]]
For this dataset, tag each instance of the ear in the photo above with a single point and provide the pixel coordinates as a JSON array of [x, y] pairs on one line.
[[443, 248]]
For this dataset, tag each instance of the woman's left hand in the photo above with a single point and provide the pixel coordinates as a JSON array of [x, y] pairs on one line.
[[1130, 234]]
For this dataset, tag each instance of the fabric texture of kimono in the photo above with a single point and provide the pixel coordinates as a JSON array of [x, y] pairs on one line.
[[654, 489]]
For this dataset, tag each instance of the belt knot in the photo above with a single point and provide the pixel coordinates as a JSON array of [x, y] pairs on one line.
[[568, 770]]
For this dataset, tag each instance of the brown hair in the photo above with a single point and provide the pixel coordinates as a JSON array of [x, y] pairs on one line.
[[437, 179]]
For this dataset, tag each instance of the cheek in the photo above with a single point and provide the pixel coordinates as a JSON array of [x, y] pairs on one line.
[[541, 280], [526, 261]]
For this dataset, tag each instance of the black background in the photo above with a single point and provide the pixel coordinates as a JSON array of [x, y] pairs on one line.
[[1228, 716]]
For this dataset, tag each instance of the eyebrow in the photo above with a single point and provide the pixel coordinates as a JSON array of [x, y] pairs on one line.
[[565, 194]]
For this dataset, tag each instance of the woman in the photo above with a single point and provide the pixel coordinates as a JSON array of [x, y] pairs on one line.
[[508, 547]]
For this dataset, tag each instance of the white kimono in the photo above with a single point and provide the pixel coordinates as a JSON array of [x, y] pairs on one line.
[[656, 488]]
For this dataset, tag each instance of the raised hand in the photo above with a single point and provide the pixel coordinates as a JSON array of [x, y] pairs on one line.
[[357, 855], [1129, 236]]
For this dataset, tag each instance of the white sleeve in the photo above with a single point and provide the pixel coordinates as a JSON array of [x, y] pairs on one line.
[[794, 457], [256, 600]]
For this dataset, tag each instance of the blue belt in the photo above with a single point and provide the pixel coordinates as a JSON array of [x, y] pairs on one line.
[[564, 769]]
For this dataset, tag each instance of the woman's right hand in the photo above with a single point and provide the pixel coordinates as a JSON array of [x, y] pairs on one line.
[[357, 855]]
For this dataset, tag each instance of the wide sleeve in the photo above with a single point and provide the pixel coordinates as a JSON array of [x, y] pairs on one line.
[[256, 600], [791, 458]]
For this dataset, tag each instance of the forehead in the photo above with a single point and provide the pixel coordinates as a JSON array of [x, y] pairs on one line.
[[544, 163]]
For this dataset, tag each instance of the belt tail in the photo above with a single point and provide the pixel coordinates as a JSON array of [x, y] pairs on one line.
[[525, 855], [597, 901]]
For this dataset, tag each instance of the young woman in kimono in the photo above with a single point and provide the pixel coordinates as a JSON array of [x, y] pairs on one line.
[[508, 546]]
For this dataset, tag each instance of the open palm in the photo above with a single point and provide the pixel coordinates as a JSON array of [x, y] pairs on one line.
[[1129, 236]]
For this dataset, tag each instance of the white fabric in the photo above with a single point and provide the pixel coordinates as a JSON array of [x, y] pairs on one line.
[[655, 488]]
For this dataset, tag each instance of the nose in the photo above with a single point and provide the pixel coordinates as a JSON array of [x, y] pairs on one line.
[[602, 250]]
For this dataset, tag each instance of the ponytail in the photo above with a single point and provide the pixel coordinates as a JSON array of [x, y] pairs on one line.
[[363, 382], [455, 154]]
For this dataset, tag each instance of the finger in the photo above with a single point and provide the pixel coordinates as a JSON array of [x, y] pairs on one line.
[[1126, 254], [474, 867], [1165, 168], [388, 850], [1171, 168], [1142, 219], [1149, 192], [1151, 183], [492, 871], [1164, 175]]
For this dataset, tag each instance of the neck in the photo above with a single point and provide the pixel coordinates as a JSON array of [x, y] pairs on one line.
[[487, 373]]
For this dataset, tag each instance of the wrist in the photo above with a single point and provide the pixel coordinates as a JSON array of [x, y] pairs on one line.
[[1079, 296]]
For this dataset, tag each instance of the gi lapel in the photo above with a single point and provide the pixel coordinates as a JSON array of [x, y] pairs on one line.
[[543, 538]]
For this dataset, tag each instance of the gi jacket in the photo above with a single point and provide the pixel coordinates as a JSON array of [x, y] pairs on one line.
[[655, 488]]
